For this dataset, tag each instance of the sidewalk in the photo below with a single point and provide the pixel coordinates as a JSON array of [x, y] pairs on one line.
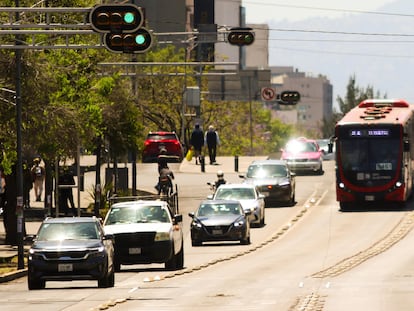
[[35, 215]]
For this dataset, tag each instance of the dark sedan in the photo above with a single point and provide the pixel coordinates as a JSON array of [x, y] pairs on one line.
[[219, 220], [274, 180], [71, 248]]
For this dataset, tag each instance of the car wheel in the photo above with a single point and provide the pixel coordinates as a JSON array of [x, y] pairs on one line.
[[117, 266], [180, 257], [245, 241], [196, 243], [262, 220], [292, 200], [171, 264], [34, 283]]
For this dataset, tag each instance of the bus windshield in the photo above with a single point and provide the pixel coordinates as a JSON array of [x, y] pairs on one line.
[[369, 162]]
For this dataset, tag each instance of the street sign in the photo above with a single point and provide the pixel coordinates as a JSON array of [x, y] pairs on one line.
[[268, 94]]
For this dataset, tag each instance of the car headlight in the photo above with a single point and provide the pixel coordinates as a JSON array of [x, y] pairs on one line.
[[239, 224], [196, 225], [162, 236], [97, 252], [284, 184], [35, 254]]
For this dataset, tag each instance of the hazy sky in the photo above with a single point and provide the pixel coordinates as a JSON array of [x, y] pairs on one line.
[[262, 11]]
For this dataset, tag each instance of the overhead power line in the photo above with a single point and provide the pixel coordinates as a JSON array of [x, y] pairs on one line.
[[327, 9]]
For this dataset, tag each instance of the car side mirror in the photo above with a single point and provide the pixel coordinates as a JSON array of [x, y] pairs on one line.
[[30, 238], [242, 176], [191, 214], [109, 236], [178, 218]]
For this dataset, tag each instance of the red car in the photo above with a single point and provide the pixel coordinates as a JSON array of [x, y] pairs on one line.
[[156, 141]]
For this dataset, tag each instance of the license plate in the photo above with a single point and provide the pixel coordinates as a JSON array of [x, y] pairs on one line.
[[266, 194], [369, 198], [217, 231], [65, 267], [135, 251]]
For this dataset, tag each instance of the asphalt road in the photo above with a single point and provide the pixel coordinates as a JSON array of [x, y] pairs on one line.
[[308, 257]]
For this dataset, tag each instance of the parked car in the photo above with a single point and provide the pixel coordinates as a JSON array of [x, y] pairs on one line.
[[250, 198], [157, 141], [220, 220], [71, 248], [303, 155], [274, 180], [146, 232]]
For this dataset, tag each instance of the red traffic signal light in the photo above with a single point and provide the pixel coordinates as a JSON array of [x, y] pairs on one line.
[[241, 36], [116, 18], [289, 98], [137, 42]]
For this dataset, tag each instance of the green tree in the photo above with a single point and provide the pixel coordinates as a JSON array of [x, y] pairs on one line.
[[354, 95]]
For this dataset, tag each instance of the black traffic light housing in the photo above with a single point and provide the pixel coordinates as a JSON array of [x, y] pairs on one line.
[[289, 98], [241, 36], [116, 18], [135, 42]]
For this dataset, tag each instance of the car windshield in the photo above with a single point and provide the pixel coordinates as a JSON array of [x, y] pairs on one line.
[[68, 231], [137, 214], [235, 194], [266, 171], [223, 209], [300, 146]]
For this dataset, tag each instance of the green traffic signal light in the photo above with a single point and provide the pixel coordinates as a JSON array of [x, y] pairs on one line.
[[116, 18], [137, 42], [241, 36], [289, 98]]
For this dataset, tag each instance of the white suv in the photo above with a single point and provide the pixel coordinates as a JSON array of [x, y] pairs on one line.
[[146, 232]]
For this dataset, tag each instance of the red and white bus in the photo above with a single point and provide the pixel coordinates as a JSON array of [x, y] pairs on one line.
[[375, 153]]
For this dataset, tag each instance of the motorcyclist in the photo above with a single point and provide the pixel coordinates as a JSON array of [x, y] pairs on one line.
[[162, 160], [165, 179], [165, 174], [220, 179]]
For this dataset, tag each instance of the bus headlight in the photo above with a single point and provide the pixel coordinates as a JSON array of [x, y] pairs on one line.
[[341, 185], [398, 184]]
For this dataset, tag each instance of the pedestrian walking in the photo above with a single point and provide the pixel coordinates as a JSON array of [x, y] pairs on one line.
[[197, 141], [2, 190], [212, 140], [38, 177], [66, 181]]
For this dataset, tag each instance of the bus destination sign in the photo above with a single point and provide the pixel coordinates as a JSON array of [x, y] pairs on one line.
[[369, 133]]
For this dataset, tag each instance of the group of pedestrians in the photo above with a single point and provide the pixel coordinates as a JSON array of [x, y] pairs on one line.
[[210, 139]]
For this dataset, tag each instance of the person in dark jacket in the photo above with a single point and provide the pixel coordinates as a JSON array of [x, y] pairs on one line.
[[212, 140], [197, 141]]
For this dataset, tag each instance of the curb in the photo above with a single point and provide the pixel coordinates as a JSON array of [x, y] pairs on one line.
[[13, 275]]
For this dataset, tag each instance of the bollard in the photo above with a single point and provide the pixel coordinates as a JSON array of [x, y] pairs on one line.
[[202, 164], [236, 163]]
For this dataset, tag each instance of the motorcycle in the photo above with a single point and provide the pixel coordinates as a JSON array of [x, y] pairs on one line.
[[165, 185]]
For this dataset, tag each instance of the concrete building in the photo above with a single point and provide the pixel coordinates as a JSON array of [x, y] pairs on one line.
[[243, 82], [316, 97]]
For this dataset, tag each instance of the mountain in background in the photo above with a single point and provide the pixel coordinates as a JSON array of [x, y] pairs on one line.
[[337, 48]]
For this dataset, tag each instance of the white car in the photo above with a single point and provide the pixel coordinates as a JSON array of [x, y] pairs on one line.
[[146, 232], [249, 197]]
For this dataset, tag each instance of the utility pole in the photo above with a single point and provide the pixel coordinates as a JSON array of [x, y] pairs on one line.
[[19, 170]]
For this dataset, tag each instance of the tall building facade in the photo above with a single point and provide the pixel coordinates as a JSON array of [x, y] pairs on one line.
[[316, 97]]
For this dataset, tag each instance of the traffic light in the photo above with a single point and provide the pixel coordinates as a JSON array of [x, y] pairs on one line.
[[136, 42], [116, 18], [241, 36], [289, 98]]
